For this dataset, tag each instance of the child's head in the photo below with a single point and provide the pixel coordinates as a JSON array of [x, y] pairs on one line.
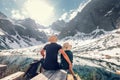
[[67, 46]]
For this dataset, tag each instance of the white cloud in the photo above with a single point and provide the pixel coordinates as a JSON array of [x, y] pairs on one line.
[[40, 11], [6, 9], [17, 15]]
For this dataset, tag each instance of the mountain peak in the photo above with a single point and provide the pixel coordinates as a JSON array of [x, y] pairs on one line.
[[2, 15]]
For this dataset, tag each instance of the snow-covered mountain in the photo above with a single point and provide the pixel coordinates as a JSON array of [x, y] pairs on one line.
[[2, 15], [94, 59], [58, 25], [91, 21], [96, 48], [102, 14], [19, 34]]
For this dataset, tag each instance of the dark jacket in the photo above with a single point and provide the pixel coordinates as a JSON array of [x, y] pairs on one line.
[[51, 60], [64, 64]]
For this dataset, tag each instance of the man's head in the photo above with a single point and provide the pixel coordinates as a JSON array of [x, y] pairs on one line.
[[52, 39]]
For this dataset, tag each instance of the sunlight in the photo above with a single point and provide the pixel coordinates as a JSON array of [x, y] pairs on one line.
[[40, 11]]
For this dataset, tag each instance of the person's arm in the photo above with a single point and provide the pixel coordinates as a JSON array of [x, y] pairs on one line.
[[66, 58], [42, 52], [69, 62]]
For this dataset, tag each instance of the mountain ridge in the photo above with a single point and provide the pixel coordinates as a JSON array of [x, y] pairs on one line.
[[89, 59], [18, 35], [96, 14]]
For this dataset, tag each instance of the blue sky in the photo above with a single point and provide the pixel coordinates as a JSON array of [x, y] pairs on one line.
[[43, 11]]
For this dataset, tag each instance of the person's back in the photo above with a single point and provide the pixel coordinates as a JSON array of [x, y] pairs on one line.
[[51, 56], [51, 61]]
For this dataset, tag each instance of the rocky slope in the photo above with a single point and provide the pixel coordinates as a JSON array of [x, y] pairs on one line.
[[96, 14], [58, 25], [99, 59], [17, 34]]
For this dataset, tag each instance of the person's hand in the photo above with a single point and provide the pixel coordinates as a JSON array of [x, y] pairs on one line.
[[42, 53]]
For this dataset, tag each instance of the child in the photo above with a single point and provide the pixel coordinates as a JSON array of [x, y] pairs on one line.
[[64, 65], [66, 47]]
